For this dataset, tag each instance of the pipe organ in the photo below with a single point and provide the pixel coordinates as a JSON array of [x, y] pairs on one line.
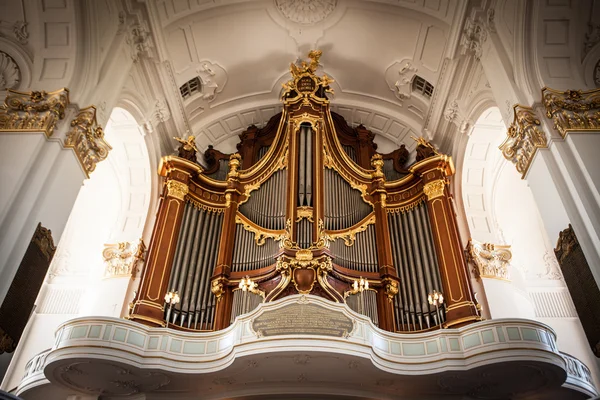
[[307, 205]]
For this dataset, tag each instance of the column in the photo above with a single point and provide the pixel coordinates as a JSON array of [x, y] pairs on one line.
[[460, 307], [149, 303], [387, 272], [220, 277]]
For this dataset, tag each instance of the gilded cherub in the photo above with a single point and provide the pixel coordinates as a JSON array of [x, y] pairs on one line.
[[424, 148], [188, 148]]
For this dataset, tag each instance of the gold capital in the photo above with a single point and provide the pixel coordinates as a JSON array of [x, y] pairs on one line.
[[489, 260], [177, 189], [572, 110], [434, 189]]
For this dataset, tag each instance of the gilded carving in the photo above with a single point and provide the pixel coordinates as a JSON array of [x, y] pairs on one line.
[[260, 235], [304, 212], [572, 109], [188, 148], [86, 138], [218, 286], [524, 137], [304, 260], [390, 286], [235, 160], [304, 82], [377, 164], [489, 260], [349, 236], [33, 110], [122, 258], [434, 189], [177, 189]]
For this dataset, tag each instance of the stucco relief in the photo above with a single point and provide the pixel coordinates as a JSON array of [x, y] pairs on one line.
[[10, 74], [305, 12], [399, 77]]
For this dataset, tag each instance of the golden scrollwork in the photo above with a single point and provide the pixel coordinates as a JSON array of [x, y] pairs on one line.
[[390, 286], [217, 287], [304, 260], [434, 189], [260, 234], [304, 212], [489, 260], [86, 138], [572, 109], [235, 160], [524, 137], [349, 235], [33, 110], [177, 189]]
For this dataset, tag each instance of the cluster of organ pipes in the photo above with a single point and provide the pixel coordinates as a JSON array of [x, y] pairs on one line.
[[295, 223], [195, 255], [415, 259]]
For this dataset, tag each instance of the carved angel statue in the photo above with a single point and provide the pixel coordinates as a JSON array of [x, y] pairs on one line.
[[424, 148], [188, 148]]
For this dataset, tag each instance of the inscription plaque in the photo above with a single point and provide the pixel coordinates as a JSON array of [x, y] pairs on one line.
[[302, 319]]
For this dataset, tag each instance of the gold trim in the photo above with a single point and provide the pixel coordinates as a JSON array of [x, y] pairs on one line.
[[524, 137], [260, 234], [304, 212], [434, 189], [177, 189], [349, 235], [203, 206], [149, 319], [395, 209], [572, 110]]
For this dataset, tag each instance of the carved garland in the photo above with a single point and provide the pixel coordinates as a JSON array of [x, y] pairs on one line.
[[572, 109], [524, 137]]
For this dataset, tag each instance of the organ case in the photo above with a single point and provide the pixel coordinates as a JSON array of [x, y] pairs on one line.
[[307, 205]]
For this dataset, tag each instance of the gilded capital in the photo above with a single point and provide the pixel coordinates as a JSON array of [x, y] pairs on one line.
[[86, 138], [434, 189], [177, 189], [377, 164], [489, 260], [235, 160], [524, 137], [572, 109], [33, 111]]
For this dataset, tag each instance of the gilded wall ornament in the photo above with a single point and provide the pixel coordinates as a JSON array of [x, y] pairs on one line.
[[572, 109], [434, 189], [33, 110], [177, 189], [86, 137], [524, 137], [10, 74], [122, 258], [489, 260], [306, 12]]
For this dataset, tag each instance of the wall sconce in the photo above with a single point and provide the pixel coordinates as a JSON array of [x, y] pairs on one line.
[[171, 298], [436, 299]]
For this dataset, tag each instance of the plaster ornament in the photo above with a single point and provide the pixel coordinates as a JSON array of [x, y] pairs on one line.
[[10, 74], [139, 41], [399, 78], [306, 12], [552, 268], [474, 36], [592, 37], [213, 77], [20, 32], [597, 74]]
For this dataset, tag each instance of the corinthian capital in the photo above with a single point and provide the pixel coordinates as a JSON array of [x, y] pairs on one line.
[[489, 260], [524, 137], [36, 111]]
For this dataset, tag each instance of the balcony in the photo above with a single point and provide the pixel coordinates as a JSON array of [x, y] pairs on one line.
[[306, 345]]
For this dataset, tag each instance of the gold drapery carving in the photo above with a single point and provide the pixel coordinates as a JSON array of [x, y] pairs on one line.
[[489, 260], [86, 137], [177, 189], [524, 137], [33, 111], [572, 109]]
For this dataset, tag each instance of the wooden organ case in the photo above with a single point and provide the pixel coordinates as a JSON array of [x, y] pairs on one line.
[[307, 205]]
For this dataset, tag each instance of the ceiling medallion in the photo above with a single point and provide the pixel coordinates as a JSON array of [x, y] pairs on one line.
[[305, 12]]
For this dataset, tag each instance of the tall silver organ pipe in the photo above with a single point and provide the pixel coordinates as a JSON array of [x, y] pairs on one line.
[[247, 255], [344, 206], [361, 256], [261, 152], [390, 172], [195, 258], [416, 263], [349, 150], [266, 205], [243, 303], [305, 166], [304, 233], [364, 303]]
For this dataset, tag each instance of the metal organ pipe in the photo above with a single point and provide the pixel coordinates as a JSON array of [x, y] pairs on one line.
[[266, 205], [195, 256], [416, 264], [344, 206]]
